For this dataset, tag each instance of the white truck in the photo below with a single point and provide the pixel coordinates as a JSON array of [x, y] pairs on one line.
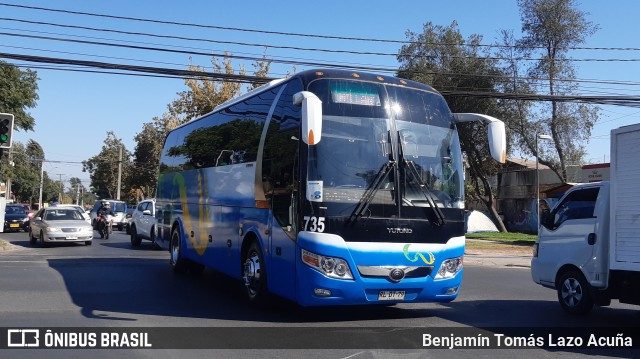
[[588, 246]]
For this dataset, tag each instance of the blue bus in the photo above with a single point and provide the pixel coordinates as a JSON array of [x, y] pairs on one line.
[[326, 188]]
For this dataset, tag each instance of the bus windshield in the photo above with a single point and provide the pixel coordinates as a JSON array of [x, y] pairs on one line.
[[386, 151]]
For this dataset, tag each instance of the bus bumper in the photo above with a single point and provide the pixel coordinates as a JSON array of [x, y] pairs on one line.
[[315, 289]]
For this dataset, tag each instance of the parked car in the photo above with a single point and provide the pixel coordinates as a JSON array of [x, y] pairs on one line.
[[16, 218], [143, 222], [119, 209], [60, 224]]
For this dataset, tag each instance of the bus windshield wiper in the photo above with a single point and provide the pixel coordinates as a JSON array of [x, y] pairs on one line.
[[439, 216], [440, 219], [368, 195]]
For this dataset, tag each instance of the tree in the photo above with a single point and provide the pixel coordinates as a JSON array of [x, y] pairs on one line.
[[551, 28], [18, 91], [146, 156], [21, 166], [201, 97], [439, 56], [76, 190], [103, 168], [204, 94]]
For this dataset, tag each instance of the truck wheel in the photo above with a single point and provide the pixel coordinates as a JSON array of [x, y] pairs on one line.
[[574, 293], [135, 239], [254, 274]]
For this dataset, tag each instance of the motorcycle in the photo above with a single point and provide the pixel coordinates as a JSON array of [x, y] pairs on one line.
[[105, 224]]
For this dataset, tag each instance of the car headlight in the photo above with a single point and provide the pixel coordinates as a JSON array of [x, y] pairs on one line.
[[53, 229], [25, 219], [332, 267], [449, 268]]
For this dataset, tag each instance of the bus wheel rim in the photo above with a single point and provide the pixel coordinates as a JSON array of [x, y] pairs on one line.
[[175, 251], [252, 273]]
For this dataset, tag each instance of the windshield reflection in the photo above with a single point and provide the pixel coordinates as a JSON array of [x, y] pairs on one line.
[[343, 166]]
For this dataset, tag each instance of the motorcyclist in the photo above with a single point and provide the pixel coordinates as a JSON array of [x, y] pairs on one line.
[[104, 210]]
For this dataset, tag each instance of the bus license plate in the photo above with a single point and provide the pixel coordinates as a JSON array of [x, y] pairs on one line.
[[391, 295]]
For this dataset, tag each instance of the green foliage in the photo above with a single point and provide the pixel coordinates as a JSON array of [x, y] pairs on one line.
[[18, 91], [505, 237], [103, 168], [550, 28], [142, 179], [442, 58], [201, 97]]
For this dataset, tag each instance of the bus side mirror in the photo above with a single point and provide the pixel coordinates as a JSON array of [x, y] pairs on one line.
[[497, 141], [311, 116], [496, 133]]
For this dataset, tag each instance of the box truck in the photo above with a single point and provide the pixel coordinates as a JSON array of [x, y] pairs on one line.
[[588, 246]]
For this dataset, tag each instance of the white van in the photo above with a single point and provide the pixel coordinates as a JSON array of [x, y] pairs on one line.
[[588, 246]]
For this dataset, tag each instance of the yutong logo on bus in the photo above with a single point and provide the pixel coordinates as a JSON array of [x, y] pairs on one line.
[[399, 230]]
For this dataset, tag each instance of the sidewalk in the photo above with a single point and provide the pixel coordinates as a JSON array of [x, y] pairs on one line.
[[497, 260], [500, 255]]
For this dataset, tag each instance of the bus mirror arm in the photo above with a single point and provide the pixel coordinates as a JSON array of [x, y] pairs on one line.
[[496, 133], [311, 116]]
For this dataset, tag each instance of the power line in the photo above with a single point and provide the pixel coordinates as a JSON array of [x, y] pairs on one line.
[[297, 48], [185, 38], [631, 101], [304, 63], [248, 58], [320, 36]]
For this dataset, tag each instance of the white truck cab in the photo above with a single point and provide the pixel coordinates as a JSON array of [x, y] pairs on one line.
[[568, 255], [588, 246]]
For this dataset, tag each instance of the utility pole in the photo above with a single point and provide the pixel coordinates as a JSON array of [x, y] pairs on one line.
[[119, 171], [61, 196], [41, 182]]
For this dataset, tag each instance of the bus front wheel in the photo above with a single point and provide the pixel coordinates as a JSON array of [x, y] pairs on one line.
[[254, 274]]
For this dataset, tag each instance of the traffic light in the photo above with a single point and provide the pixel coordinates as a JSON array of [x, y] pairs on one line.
[[6, 130]]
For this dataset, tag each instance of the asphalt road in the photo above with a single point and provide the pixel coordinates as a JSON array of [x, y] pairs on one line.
[[111, 285]]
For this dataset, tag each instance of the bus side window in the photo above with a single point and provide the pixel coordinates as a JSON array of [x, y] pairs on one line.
[[279, 170]]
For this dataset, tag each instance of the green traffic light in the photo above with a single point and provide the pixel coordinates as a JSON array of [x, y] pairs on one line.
[[3, 138]]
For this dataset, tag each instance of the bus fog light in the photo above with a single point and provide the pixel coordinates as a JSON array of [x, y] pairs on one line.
[[332, 267], [449, 268], [321, 292], [451, 291]]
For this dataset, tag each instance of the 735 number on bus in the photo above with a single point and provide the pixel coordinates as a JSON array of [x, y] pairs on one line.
[[313, 224]]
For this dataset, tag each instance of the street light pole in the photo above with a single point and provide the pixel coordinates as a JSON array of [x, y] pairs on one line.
[[541, 137]]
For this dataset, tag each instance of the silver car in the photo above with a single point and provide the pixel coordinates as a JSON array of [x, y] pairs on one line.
[[58, 225]]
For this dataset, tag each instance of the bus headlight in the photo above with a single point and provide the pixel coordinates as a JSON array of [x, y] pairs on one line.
[[449, 268], [330, 266]]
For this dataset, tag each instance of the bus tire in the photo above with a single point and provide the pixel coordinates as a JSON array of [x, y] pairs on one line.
[[178, 264], [254, 274], [574, 292]]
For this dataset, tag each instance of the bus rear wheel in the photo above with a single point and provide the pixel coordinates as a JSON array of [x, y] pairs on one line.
[[178, 264], [254, 274]]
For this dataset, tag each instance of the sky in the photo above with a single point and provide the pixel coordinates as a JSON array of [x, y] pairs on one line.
[[76, 109]]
